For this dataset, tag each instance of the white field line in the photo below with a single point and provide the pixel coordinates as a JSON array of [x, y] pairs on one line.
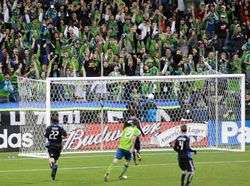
[[143, 165], [11, 158]]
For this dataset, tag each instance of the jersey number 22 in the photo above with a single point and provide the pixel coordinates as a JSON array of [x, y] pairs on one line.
[[53, 134]]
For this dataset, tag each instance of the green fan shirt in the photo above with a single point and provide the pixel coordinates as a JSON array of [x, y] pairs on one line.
[[127, 136]]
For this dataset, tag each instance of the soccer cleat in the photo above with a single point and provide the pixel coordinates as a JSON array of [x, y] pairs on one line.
[[106, 177], [138, 157], [124, 177], [53, 172]]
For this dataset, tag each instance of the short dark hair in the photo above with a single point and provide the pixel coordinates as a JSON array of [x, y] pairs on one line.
[[54, 119], [183, 128], [127, 124]]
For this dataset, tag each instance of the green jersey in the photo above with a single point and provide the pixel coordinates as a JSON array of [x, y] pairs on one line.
[[128, 133]]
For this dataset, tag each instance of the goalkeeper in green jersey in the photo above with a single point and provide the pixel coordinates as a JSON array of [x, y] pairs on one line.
[[125, 147]]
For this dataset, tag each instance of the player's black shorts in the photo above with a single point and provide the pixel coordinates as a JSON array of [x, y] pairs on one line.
[[54, 152], [186, 165], [137, 145]]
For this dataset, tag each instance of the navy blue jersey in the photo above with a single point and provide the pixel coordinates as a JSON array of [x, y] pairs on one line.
[[138, 124], [54, 134], [182, 146]]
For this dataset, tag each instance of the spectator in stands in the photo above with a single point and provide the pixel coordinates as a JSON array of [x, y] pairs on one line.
[[238, 38], [223, 63], [222, 32], [235, 65], [9, 88], [246, 62], [131, 65], [211, 18]]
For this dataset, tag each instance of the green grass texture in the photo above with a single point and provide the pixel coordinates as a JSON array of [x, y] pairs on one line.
[[213, 168]]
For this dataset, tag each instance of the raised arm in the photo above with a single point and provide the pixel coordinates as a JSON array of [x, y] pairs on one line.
[[50, 65]]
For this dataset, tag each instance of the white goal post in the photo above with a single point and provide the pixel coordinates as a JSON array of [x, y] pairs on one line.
[[92, 110]]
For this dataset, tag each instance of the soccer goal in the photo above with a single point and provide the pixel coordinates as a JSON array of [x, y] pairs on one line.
[[93, 110]]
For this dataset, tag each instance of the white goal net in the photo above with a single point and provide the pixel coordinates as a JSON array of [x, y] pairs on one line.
[[93, 110]]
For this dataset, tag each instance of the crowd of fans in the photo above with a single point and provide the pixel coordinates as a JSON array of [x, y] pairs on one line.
[[67, 38]]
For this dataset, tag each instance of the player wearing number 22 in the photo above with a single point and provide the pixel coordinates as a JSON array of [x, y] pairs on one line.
[[125, 147], [54, 134], [182, 146]]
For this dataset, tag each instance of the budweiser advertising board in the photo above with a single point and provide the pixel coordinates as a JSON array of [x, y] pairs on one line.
[[94, 136]]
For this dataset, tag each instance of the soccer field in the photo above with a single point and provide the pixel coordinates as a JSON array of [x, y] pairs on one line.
[[157, 169]]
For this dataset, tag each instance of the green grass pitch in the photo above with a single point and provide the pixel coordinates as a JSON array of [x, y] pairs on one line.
[[157, 169]]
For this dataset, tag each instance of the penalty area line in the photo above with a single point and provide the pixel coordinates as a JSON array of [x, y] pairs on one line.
[[103, 167]]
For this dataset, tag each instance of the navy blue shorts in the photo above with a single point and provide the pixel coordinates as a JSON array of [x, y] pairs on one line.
[[186, 165], [120, 153], [54, 152]]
